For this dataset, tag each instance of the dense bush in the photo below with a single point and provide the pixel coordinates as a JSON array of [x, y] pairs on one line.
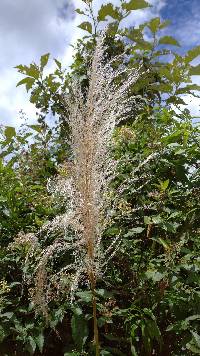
[[148, 299]]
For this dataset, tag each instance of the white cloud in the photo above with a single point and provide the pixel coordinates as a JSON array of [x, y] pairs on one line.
[[28, 30]]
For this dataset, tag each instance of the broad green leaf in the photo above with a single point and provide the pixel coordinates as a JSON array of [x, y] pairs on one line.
[[37, 128], [28, 81], [192, 54], [2, 199], [193, 317], [31, 345], [44, 60], [77, 310], [154, 24], [164, 185], [135, 5], [40, 342], [193, 348], [154, 275], [104, 293], [147, 220], [8, 315], [171, 227], [85, 296], [195, 70], [9, 132], [169, 41], [194, 344], [163, 243], [33, 71], [196, 338], [175, 100], [136, 230], [86, 26], [156, 219], [22, 68], [80, 330], [188, 88], [108, 10]]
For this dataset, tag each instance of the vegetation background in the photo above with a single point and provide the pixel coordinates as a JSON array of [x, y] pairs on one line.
[[148, 299]]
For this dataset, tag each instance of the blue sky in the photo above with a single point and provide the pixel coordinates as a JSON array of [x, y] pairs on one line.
[[185, 20], [31, 28]]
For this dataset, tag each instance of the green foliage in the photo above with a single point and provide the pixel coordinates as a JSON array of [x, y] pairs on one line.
[[150, 301]]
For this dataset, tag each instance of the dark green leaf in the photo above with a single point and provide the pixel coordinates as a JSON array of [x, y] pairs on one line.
[[195, 70], [28, 81], [40, 341], [9, 132], [79, 330], [135, 5], [85, 296], [86, 26], [37, 128], [57, 63], [136, 230], [154, 24], [192, 54], [44, 60], [108, 10]]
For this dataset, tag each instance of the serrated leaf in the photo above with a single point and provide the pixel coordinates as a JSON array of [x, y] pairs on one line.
[[195, 70], [22, 69], [169, 40], [108, 10], [44, 60], [135, 5], [33, 71], [86, 26], [28, 81]]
